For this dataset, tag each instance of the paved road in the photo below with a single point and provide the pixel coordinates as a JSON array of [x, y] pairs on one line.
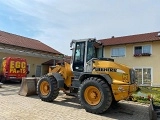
[[16, 107]]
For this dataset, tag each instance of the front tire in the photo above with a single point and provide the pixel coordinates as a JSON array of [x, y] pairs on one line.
[[95, 95], [47, 88]]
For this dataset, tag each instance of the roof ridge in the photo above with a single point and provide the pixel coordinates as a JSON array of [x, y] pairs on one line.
[[130, 35], [139, 34]]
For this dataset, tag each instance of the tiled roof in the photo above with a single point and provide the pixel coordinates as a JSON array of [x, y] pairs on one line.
[[139, 38], [16, 40]]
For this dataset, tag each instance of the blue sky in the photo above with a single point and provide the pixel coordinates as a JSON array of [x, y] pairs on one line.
[[57, 22]]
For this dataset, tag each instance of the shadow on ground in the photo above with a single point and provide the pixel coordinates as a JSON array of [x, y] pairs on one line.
[[123, 110]]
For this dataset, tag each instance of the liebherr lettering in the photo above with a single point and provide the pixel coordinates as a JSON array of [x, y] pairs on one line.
[[105, 69]]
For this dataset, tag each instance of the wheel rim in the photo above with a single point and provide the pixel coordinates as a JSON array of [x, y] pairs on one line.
[[44, 88], [92, 95]]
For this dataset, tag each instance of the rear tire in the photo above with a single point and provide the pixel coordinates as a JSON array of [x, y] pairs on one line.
[[95, 95], [47, 88]]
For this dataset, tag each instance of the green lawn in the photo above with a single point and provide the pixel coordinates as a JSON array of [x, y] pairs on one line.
[[145, 93]]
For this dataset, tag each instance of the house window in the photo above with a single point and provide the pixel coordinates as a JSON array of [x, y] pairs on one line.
[[143, 76], [142, 50], [28, 68], [118, 52]]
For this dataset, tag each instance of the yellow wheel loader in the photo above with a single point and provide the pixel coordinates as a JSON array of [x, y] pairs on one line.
[[97, 81]]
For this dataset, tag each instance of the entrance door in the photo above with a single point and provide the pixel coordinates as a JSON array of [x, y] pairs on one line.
[[38, 70]]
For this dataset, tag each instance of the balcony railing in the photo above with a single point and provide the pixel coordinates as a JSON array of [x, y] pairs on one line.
[[142, 54]]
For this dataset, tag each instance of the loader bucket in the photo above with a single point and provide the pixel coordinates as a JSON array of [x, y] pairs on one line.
[[28, 86]]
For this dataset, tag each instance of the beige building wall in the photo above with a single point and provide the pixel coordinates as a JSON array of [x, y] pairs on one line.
[[142, 61]]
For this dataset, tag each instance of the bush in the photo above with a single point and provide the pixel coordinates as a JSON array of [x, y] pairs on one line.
[[144, 94]]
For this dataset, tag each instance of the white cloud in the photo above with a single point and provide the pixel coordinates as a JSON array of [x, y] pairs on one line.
[[58, 22]]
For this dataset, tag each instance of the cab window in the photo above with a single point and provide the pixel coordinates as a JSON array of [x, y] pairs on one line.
[[90, 51]]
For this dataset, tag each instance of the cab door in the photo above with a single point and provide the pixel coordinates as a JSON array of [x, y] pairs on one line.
[[79, 56]]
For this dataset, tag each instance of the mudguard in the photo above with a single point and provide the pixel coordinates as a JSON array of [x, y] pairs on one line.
[[59, 79]]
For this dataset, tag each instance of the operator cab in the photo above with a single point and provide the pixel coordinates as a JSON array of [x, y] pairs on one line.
[[83, 51]]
